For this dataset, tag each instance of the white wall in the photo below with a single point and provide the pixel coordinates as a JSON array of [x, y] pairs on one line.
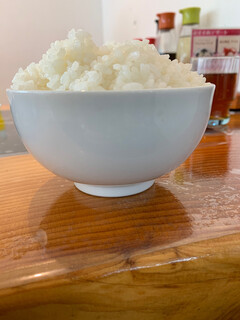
[[128, 19], [27, 27]]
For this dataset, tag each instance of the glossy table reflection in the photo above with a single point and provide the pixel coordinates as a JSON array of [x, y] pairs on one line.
[[172, 252]]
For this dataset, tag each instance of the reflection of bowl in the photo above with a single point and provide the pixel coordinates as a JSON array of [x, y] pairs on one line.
[[84, 231], [112, 143]]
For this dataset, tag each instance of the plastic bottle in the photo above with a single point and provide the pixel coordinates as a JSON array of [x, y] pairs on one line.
[[166, 35], [190, 20]]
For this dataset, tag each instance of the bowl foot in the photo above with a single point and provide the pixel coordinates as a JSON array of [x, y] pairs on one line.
[[114, 190]]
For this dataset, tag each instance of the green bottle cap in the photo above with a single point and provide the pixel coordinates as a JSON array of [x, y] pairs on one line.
[[190, 15]]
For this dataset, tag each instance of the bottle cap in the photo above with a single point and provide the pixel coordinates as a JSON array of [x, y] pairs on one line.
[[151, 40], [166, 20], [190, 15]]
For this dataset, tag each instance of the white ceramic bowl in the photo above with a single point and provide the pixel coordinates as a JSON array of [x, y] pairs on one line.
[[111, 143]]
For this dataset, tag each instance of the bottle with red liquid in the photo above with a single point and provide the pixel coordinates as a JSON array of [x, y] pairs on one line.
[[166, 41]]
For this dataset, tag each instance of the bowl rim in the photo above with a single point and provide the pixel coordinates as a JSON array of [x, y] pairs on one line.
[[101, 92]]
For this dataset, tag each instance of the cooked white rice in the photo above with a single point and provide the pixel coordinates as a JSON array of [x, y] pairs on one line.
[[77, 64]]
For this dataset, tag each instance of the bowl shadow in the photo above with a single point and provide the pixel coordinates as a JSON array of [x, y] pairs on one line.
[[83, 231]]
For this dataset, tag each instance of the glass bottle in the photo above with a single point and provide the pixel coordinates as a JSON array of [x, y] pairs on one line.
[[190, 21], [166, 42]]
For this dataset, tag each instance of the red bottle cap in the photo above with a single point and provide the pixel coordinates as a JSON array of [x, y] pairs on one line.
[[151, 40], [166, 20]]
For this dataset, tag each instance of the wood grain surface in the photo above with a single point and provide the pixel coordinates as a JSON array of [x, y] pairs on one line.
[[171, 252]]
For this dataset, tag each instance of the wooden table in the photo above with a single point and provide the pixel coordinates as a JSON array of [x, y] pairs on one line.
[[172, 252]]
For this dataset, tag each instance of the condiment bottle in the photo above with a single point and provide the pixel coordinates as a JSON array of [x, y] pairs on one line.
[[156, 21], [166, 35], [190, 20]]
